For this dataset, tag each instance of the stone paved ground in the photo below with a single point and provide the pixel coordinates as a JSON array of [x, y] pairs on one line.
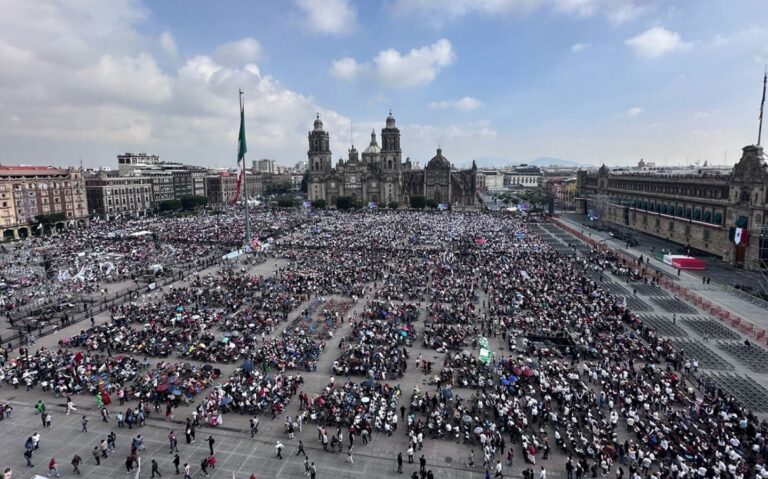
[[235, 450]]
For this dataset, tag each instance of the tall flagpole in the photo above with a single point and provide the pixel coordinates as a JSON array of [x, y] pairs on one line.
[[762, 104], [245, 185]]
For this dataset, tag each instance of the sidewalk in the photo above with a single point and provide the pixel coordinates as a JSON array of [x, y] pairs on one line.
[[749, 318]]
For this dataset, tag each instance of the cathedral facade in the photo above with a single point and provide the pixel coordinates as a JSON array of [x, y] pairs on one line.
[[379, 175]]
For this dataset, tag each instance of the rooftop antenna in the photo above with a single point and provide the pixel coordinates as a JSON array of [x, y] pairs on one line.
[[351, 137], [762, 104]]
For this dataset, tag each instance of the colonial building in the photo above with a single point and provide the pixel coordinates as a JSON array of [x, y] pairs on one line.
[[379, 174], [29, 192], [700, 210], [111, 196], [189, 181]]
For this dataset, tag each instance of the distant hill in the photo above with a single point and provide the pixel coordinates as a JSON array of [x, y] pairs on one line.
[[545, 161]]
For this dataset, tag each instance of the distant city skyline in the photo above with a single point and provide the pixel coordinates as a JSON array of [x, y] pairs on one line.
[[502, 81]]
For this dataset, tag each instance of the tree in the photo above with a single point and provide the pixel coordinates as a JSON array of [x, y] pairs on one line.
[[51, 218], [319, 204], [418, 202], [344, 202], [286, 202], [190, 202], [305, 182], [278, 188], [393, 205], [432, 204], [357, 204], [170, 205]]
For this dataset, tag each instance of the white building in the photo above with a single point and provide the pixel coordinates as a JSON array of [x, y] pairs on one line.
[[128, 163]]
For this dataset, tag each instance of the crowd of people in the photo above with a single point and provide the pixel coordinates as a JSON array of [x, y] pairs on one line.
[[571, 369]]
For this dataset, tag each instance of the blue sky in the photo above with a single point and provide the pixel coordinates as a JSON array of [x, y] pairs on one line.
[[593, 81]]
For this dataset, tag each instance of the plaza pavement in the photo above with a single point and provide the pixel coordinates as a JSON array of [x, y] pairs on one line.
[[235, 450]]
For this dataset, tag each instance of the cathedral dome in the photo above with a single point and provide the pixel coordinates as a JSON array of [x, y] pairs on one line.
[[439, 162], [373, 148]]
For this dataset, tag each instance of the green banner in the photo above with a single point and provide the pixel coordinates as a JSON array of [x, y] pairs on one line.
[[485, 350]]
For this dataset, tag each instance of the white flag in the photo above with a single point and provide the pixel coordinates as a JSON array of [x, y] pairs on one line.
[[737, 235], [40, 226]]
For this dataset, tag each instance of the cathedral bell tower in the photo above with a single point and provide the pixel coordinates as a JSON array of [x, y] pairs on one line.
[[319, 160], [391, 154]]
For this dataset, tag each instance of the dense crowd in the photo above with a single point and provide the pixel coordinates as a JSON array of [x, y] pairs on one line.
[[578, 373]]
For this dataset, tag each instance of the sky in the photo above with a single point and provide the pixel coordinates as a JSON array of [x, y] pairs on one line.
[[498, 81]]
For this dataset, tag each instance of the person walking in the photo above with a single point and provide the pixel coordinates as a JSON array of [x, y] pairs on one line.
[[111, 438], [422, 464], [103, 446], [84, 422], [211, 442], [28, 457], [76, 464], [312, 471], [129, 463], [70, 406], [301, 448], [48, 420], [254, 421], [96, 455], [306, 466], [409, 453], [498, 470], [400, 462], [155, 469], [279, 447], [187, 470], [53, 468], [174, 443], [176, 462], [204, 466]]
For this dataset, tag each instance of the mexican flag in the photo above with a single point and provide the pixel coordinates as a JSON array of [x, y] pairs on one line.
[[741, 236], [241, 149]]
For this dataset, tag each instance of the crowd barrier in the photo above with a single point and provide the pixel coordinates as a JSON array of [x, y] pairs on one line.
[[723, 315]]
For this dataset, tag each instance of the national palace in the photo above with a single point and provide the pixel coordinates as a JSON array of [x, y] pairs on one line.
[[701, 210]]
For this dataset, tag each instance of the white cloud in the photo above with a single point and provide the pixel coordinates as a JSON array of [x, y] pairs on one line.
[[85, 86], [241, 52], [464, 104], [168, 44], [393, 69], [634, 111], [135, 79], [333, 17], [346, 68], [579, 47], [656, 42], [439, 12]]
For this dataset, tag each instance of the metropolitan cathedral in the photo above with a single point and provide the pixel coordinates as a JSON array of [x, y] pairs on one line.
[[379, 175]]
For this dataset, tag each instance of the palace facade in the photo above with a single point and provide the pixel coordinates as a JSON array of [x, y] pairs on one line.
[[701, 210]]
